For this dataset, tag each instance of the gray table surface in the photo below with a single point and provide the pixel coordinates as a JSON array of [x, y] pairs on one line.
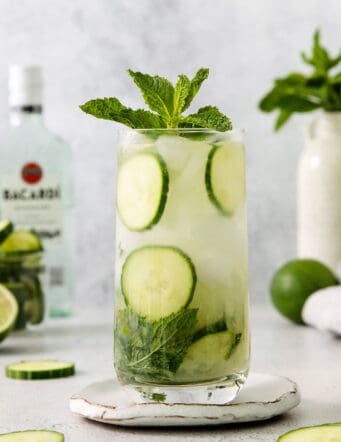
[[301, 353]]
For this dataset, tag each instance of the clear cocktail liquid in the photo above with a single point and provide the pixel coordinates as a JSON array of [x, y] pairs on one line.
[[181, 295]]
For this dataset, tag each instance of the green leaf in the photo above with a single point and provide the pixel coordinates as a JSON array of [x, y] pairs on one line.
[[207, 117], [293, 103], [293, 79], [270, 101], [182, 89], [155, 349], [283, 117], [336, 79], [113, 109], [196, 82], [167, 102], [158, 93]]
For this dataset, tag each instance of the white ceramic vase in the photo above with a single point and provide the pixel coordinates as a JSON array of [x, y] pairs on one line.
[[319, 191]]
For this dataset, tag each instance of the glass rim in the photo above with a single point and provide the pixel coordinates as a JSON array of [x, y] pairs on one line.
[[236, 131]]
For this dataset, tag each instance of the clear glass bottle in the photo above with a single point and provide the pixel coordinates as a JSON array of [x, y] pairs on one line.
[[36, 184]]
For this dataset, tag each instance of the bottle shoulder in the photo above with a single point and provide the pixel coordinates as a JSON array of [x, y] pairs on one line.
[[38, 139]]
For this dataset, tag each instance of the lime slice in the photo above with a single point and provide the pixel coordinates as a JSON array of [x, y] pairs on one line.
[[21, 242], [6, 227], [8, 311], [32, 436], [48, 369]]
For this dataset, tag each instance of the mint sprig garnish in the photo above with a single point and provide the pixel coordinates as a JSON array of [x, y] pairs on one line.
[[298, 92], [166, 103], [155, 349]]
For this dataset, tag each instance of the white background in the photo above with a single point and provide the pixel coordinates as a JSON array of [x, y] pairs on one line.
[[85, 46]]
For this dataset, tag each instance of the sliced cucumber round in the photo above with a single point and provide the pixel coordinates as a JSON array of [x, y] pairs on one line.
[[34, 306], [157, 281], [216, 327], [225, 177], [21, 242], [32, 436], [49, 369], [6, 227], [207, 357], [142, 187], [318, 433]]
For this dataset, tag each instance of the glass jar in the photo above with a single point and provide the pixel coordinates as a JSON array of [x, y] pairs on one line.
[[181, 293]]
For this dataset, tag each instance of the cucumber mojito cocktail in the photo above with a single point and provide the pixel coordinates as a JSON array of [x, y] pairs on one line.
[[181, 290]]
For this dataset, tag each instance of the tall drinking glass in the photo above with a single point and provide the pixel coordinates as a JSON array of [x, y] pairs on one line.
[[181, 290]]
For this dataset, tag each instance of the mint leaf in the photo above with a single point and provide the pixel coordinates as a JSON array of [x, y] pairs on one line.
[[157, 92], [182, 89], [167, 103], [207, 117], [155, 349], [196, 83], [283, 117], [299, 92], [292, 103], [113, 109], [270, 101]]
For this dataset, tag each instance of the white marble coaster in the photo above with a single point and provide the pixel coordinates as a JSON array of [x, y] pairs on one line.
[[263, 397]]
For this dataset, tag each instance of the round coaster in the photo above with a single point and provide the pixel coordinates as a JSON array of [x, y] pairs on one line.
[[263, 397]]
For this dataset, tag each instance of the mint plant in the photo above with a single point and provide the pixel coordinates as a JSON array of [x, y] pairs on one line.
[[166, 103], [298, 92]]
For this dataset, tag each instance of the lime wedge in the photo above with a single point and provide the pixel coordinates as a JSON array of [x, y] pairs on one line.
[[6, 227], [8, 311], [21, 242]]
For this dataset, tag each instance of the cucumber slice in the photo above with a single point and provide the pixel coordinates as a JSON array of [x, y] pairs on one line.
[[216, 327], [40, 369], [6, 227], [32, 436], [157, 281], [21, 242], [225, 177], [318, 433], [8, 311], [34, 307], [207, 357], [142, 187]]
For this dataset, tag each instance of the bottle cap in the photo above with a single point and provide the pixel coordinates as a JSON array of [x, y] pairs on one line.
[[25, 85]]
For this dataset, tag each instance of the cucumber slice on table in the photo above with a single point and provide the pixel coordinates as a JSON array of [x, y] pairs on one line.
[[40, 369], [21, 242], [142, 187], [8, 311], [207, 357], [157, 281], [6, 227], [318, 433], [225, 177], [32, 436]]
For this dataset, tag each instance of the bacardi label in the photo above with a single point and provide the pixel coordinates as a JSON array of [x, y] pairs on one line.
[[32, 199]]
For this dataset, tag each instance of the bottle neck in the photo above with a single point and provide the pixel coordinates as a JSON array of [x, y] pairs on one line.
[[22, 115]]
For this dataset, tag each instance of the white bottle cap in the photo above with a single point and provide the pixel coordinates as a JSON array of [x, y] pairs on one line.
[[25, 86]]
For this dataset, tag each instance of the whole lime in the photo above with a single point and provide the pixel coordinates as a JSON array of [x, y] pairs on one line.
[[294, 282]]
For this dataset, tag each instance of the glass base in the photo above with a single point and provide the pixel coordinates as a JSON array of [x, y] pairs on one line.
[[219, 392]]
